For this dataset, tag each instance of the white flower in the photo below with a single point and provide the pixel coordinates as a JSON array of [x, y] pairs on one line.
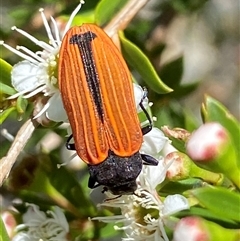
[[153, 142], [144, 214], [39, 226], [37, 72]]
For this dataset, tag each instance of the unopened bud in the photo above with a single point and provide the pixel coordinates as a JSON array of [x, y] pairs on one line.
[[196, 229], [208, 142], [182, 167], [211, 147]]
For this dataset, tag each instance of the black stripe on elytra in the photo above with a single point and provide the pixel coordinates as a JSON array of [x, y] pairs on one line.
[[84, 44]]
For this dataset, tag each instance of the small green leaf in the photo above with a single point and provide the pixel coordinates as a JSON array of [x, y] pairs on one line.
[[4, 114], [106, 9], [5, 70], [179, 187], [3, 234], [86, 17], [220, 201], [5, 89], [179, 144], [201, 212], [21, 104], [212, 110], [139, 61]]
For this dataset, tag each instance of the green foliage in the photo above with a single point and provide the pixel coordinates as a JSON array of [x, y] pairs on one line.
[[136, 58], [5, 113], [106, 10], [219, 201], [40, 180], [5, 77]]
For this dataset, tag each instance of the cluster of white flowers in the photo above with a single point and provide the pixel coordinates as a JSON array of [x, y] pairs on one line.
[[39, 226], [144, 213], [37, 72]]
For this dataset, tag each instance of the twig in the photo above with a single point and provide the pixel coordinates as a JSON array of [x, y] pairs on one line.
[[17, 146], [126, 14]]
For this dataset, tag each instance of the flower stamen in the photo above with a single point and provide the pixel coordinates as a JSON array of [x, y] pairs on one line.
[[48, 29], [42, 44], [74, 13], [20, 54], [56, 31], [29, 52]]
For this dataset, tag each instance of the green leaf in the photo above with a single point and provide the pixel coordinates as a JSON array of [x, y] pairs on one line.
[[5, 70], [4, 114], [139, 61], [86, 17], [106, 9], [179, 187], [21, 104], [212, 110], [5, 89], [3, 234], [180, 145], [201, 212], [220, 201]]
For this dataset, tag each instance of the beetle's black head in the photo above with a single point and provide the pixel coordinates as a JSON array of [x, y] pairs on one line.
[[117, 174]]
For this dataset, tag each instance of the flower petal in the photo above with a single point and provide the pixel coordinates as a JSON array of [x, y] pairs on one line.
[[34, 215], [153, 142], [56, 111], [25, 76], [22, 237], [138, 93], [174, 203], [60, 218], [154, 175]]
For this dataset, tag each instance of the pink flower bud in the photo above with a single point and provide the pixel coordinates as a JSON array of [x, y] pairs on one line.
[[199, 229], [190, 229], [207, 142], [9, 222], [211, 148], [180, 166]]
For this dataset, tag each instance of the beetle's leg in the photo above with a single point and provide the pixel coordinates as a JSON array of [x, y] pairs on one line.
[[149, 160], [92, 183], [147, 128], [70, 146]]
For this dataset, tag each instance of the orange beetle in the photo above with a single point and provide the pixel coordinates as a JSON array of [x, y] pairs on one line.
[[97, 94]]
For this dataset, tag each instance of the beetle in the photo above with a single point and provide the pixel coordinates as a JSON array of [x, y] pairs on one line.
[[97, 94]]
